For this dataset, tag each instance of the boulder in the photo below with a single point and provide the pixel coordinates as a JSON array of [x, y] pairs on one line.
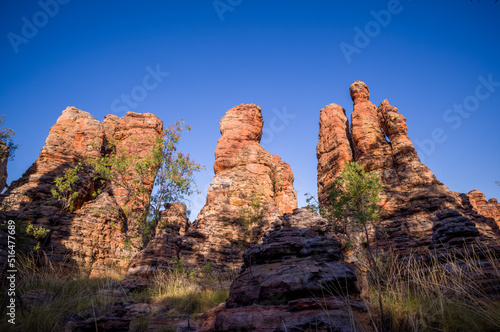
[[298, 279]]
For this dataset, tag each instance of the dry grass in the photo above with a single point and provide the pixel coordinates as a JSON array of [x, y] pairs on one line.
[[72, 295], [441, 293], [180, 293], [186, 294]]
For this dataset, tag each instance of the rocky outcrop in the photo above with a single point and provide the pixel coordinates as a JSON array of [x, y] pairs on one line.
[[489, 209], [97, 235], [413, 197], [334, 147], [250, 189], [164, 246], [132, 135], [4, 158], [450, 225], [371, 149], [296, 280]]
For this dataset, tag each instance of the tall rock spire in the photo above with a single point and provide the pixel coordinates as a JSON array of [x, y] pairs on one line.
[[250, 189], [334, 147], [413, 196]]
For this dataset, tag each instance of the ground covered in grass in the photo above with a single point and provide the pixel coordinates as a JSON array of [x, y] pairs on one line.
[[440, 293], [51, 297], [435, 294]]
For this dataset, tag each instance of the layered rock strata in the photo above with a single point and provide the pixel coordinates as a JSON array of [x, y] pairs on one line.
[[490, 209], [250, 189], [97, 234], [296, 280], [334, 147], [413, 197]]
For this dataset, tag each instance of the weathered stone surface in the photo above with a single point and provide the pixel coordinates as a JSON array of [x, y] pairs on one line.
[[411, 173], [295, 280], [239, 155], [489, 209], [334, 147], [135, 135], [4, 158], [97, 235], [371, 149], [450, 225], [129, 316], [250, 189], [164, 246], [413, 196], [93, 237], [75, 136]]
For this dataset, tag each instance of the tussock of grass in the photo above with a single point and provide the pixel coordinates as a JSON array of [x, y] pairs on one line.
[[180, 293], [444, 293], [187, 295], [73, 295]]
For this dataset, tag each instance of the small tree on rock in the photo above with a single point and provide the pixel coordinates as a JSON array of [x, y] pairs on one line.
[[7, 137], [353, 206], [171, 170]]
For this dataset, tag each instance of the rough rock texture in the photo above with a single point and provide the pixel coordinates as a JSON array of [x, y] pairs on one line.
[[93, 236], [296, 280], [4, 158], [371, 149], [490, 209], [450, 225], [239, 156], [413, 197], [134, 134], [250, 189], [129, 316], [334, 147], [164, 246]]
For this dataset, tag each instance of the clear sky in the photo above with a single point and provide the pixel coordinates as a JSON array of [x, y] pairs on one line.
[[437, 61]]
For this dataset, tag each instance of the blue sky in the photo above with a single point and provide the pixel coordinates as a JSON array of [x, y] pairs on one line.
[[437, 62]]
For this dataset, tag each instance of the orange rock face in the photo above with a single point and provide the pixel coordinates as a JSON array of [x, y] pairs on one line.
[[334, 147], [490, 209], [371, 149], [413, 196], [135, 134], [95, 235], [250, 189]]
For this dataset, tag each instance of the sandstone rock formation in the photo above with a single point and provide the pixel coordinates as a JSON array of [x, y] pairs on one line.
[[296, 280], [96, 236], [164, 246], [250, 189], [489, 209], [413, 197], [134, 134], [334, 147]]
